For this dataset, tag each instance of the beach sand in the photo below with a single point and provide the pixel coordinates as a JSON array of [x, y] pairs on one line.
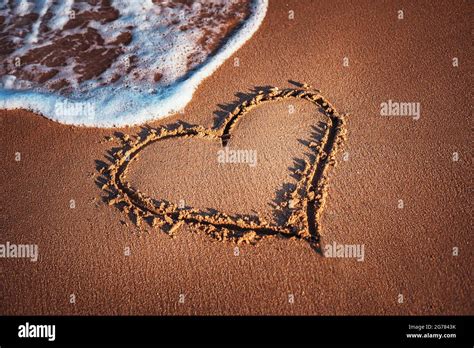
[[408, 251]]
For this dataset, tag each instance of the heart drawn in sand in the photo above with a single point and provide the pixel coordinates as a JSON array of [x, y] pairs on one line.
[[305, 203]]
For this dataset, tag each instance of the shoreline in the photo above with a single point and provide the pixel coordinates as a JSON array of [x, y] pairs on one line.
[[109, 102]]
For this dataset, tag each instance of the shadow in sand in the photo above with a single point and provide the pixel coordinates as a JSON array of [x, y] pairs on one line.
[[280, 216], [224, 109]]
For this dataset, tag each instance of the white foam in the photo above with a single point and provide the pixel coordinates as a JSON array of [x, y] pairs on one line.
[[23, 7], [8, 81], [63, 12], [117, 105], [43, 6]]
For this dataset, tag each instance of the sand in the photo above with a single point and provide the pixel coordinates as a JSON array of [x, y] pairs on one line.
[[297, 207], [97, 253]]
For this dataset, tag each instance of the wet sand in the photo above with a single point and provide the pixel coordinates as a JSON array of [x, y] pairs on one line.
[[408, 251]]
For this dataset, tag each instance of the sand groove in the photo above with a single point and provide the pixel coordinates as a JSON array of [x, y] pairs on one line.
[[305, 204]]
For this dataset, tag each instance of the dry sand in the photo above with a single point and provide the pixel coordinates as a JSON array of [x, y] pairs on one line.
[[407, 251]]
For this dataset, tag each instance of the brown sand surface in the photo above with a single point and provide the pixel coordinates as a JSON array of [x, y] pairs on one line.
[[408, 251], [195, 175]]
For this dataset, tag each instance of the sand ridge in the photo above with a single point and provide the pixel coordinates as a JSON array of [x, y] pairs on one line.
[[304, 204]]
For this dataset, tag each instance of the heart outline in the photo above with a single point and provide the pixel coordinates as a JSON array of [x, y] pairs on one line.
[[310, 193]]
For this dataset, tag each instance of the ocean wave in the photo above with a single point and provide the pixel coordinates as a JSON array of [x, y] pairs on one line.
[[109, 64]]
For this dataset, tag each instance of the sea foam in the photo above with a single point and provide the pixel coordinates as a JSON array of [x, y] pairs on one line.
[[129, 101]]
